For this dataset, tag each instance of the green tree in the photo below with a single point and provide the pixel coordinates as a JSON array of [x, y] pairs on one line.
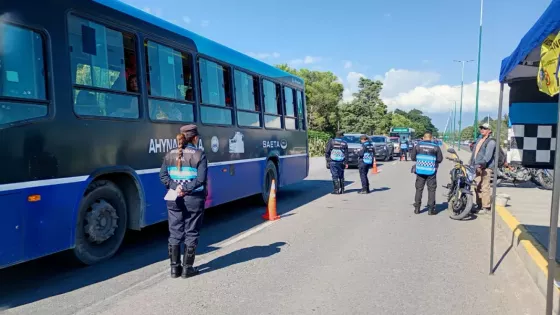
[[420, 122], [466, 134], [323, 93], [366, 113], [399, 120]]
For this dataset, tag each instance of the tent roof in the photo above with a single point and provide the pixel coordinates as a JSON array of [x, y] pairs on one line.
[[524, 61]]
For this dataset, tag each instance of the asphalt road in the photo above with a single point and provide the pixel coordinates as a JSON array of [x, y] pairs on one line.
[[328, 254]]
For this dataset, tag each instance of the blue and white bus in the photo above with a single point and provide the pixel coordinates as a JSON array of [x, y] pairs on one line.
[[92, 94]]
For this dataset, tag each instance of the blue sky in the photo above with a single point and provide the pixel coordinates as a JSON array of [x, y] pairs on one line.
[[410, 45]]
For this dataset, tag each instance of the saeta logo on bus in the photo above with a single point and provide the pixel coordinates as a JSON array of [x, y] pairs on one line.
[[275, 144], [166, 145]]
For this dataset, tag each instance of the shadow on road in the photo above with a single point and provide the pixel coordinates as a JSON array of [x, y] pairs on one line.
[[241, 256], [55, 275]]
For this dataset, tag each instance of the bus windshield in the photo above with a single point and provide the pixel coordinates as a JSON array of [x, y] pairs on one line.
[[394, 140]]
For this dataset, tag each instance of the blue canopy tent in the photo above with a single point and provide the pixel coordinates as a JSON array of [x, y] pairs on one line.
[[522, 66]]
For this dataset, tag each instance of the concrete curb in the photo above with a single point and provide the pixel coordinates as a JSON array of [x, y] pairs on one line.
[[531, 252]]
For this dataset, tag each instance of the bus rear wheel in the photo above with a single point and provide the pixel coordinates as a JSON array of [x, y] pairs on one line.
[[270, 173], [102, 223]]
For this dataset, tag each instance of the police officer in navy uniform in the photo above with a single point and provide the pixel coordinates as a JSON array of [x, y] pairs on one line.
[[184, 170], [365, 161], [404, 148], [336, 154], [428, 156]]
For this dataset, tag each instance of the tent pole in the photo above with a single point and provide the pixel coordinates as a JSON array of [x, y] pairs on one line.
[[552, 240], [495, 177]]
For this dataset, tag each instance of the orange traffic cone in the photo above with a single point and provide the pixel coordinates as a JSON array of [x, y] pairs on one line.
[[271, 214], [374, 169], [402, 157]]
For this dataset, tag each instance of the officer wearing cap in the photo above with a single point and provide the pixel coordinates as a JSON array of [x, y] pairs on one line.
[[184, 170]]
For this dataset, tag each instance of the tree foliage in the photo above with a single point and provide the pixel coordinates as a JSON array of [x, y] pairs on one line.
[[366, 113], [323, 93], [417, 120]]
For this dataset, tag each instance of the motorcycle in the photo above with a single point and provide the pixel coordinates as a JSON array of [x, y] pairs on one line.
[[460, 196], [520, 174], [545, 178]]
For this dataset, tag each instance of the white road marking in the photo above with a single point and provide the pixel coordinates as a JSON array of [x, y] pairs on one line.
[[246, 234]]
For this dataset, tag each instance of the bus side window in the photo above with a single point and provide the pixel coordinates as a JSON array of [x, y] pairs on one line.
[[289, 109], [215, 93], [170, 88], [272, 95], [301, 112], [103, 86], [247, 99], [22, 74]]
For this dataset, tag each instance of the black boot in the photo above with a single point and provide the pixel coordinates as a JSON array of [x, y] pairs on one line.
[[336, 189], [175, 259], [363, 191], [416, 209], [188, 262], [367, 189], [432, 210], [341, 185]]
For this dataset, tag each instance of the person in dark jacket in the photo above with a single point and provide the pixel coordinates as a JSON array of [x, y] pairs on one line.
[[184, 174], [428, 156], [336, 154], [366, 155]]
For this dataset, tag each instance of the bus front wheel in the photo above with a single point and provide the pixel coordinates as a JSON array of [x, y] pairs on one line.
[[101, 224], [270, 173]]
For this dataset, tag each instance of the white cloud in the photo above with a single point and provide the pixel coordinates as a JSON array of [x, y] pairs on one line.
[[307, 60], [204, 23], [347, 64], [186, 19], [396, 81], [406, 90], [351, 85], [264, 56]]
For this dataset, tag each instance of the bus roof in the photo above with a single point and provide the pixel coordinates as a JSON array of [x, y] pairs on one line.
[[207, 46]]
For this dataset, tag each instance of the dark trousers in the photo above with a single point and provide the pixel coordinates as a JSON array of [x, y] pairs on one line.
[[363, 169], [337, 170], [185, 219], [431, 182], [405, 153]]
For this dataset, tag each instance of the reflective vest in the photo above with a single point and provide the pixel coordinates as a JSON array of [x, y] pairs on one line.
[[426, 155], [404, 145], [368, 153], [337, 152]]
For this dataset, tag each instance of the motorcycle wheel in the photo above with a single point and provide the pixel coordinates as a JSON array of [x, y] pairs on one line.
[[545, 180], [460, 209]]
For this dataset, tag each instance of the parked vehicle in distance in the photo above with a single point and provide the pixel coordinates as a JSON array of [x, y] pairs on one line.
[[384, 148], [354, 145], [396, 145]]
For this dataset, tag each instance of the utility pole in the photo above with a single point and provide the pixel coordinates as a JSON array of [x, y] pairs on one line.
[[461, 108], [475, 133], [454, 123]]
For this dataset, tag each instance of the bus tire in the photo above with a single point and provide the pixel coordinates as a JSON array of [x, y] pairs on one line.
[[101, 224], [270, 173]]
